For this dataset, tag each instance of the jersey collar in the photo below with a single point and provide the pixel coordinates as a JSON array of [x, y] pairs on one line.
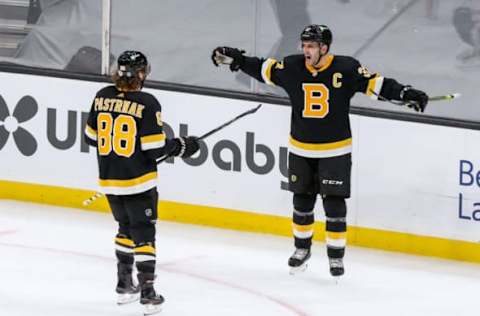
[[314, 70]]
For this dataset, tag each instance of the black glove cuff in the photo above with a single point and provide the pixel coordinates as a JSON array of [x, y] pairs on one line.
[[402, 92], [183, 147]]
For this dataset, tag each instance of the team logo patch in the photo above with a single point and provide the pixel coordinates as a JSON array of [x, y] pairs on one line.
[[293, 178], [148, 212]]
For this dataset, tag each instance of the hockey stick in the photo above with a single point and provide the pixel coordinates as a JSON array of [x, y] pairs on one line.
[[446, 97], [384, 27], [213, 131], [97, 195]]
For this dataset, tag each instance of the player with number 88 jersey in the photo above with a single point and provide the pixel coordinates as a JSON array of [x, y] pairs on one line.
[[125, 125]]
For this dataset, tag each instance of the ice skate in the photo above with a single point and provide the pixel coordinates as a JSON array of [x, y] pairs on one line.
[[127, 297], [298, 261], [127, 290], [151, 301], [336, 267]]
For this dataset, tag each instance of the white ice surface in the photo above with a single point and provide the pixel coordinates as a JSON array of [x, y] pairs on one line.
[[60, 261]]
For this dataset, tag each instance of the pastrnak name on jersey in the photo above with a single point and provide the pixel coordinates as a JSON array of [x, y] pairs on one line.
[[119, 106]]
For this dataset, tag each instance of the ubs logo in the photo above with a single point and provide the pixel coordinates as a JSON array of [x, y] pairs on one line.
[[24, 111]]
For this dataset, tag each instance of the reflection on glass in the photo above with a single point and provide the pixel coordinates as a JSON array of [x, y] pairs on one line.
[[434, 44]]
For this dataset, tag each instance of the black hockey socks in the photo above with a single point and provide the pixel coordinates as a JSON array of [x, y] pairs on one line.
[[145, 258], [124, 253], [303, 219], [336, 228], [124, 249]]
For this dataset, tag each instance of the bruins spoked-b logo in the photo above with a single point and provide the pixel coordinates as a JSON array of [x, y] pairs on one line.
[[25, 110]]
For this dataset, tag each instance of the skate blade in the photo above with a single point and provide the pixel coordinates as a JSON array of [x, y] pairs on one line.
[[299, 269], [127, 298], [151, 309]]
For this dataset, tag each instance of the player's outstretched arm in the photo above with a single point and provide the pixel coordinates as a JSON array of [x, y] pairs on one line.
[[237, 60]]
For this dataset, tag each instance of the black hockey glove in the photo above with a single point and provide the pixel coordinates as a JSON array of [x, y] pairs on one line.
[[415, 99], [186, 146], [228, 56]]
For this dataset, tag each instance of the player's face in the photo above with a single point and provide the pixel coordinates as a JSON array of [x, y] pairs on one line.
[[311, 51]]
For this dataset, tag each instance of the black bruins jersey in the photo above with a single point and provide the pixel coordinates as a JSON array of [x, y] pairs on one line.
[[126, 128], [320, 99]]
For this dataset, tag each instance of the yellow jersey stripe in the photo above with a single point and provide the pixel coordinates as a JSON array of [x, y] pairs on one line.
[[145, 249], [371, 86], [90, 132], [335, 235], [322, 146], [153, 138], [125, 242], [303, 228], [374, 87], [128, 182], [267, 70]]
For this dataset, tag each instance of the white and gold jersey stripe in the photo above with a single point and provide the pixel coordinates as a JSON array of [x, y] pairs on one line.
[[90, 133], [267, 70], [153, 141], [374, 87], [320, 150], [128, 186]]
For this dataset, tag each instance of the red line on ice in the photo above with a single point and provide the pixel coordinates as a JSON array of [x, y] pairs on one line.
[[166, 267]]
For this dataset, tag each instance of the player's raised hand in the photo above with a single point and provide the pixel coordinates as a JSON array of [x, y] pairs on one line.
[[228, 56]]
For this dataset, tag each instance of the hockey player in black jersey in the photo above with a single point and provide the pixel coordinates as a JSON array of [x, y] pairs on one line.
[[320, 86], [125, 125]]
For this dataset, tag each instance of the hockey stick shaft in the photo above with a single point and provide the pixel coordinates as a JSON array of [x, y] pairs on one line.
[[236, 118], [446, 97], [213, 131], [97, 195]]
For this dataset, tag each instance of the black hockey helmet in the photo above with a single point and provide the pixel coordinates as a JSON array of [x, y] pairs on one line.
[[131, 62], [317, 33]]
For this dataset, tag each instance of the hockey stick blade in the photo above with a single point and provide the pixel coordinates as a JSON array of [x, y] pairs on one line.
[[446, 97], [213, 131], [92, 199]]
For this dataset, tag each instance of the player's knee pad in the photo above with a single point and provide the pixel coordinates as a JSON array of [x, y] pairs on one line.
[[335, 207], [143, 232], [124, 229], [304, 202], [303, 212]]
